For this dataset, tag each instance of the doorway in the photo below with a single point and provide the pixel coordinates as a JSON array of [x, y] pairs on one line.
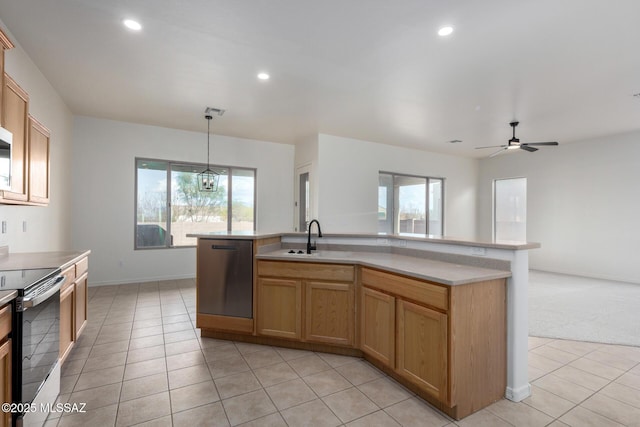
[[302, 203], [510, 209]]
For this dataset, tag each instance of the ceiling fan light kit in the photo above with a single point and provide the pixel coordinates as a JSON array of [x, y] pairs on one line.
[[514, 143]]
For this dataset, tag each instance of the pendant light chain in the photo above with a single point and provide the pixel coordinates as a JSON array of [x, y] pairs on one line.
[[208, 134], [208, 179]]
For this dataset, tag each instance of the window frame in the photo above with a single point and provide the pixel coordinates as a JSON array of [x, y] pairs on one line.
[[195, 165], [395, 195]]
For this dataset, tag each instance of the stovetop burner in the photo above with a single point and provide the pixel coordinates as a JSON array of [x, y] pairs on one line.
[[23, 279]]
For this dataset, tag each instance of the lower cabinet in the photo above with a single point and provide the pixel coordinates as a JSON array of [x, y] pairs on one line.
[[80, 303], [5, 362], [67, 324], [279, 308], [329, 312], [378, 323], [421, 348], [306, 302], [73, 305]]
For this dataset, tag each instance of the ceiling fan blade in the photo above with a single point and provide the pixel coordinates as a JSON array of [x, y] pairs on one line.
[[540, 143], [529, 149], [498, 152], [491, 146]]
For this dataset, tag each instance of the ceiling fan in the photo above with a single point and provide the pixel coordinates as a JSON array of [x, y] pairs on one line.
[[514, 143]]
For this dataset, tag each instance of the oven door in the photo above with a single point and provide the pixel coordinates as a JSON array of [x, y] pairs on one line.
[[37, 349]]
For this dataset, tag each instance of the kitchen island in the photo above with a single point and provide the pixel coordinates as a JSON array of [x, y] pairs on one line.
[[437, 314]]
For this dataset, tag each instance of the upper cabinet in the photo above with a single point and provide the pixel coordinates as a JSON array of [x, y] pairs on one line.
[[5, 44], [38, 149], [15, 118], [30, 165]]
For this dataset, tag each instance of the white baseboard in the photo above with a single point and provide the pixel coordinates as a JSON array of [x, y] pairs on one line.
[[516, 395], [140, 280]]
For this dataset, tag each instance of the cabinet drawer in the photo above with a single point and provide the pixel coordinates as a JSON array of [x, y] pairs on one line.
[[5, 321], [306, 270], [70, 277], [417, 290], [82, 266]]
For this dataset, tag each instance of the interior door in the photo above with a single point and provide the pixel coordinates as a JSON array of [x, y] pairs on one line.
[[302, 203]]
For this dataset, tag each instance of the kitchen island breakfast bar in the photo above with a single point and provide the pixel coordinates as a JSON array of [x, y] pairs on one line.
[[445, 317]]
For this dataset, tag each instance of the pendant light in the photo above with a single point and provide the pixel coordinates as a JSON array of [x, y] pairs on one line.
[[208, 179]]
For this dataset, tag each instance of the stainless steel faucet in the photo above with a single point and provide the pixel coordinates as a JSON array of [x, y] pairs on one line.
[[311, 247]]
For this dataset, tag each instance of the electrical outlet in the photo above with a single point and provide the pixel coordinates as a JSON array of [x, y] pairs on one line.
[[4, 227], [24, 226]]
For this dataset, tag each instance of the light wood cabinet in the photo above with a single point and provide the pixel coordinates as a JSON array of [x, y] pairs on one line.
[[73, 305], [5, 362], [450, 341], [80, 304], [378, 323], [38, 150], [279, 311], [15, 110], [67, 324], [422, 348], [329, 312], [312, 302]]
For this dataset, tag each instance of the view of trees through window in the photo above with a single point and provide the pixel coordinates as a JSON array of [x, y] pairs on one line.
[[410, 204], [169, 204]]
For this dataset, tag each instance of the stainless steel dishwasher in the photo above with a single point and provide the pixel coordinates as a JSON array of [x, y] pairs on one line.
[[225, 277]]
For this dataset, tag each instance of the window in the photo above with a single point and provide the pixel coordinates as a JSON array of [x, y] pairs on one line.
[[510, 209], [169, 205], [410, 204]]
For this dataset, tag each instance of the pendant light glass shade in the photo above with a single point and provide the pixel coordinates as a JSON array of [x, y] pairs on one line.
[[208, 179]]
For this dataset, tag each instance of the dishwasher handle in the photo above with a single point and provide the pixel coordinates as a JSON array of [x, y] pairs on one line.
[[224, 247]]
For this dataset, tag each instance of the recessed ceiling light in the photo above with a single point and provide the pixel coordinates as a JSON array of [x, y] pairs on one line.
[[132, 25], [263, 76], [445, 31]]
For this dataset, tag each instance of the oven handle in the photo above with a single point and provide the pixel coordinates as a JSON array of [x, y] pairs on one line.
[[32, 302]]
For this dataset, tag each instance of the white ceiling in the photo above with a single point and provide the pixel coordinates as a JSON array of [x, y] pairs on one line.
[[368, 69]]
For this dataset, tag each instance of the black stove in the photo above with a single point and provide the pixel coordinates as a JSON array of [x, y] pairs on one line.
[[35, 333]]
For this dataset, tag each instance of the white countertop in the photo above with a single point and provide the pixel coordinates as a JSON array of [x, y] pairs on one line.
[[421, 268], [254, 235], [235, 235], [29, 260]]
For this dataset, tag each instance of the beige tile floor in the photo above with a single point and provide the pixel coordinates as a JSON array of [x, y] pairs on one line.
[[141, 362]]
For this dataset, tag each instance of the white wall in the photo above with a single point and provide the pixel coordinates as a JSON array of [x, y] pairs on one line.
[[48, 228], [583, 205], [348, 184], [104, 179]]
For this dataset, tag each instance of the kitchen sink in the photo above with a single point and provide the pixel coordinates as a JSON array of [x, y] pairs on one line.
[[319, 254]]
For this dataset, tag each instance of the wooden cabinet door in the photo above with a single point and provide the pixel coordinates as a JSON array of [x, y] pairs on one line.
[[38, 162], [329, 312], [80, 302], [422, 347], [5, 381], [279, 311], [15, 109], [377, 323], [67, 326]]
